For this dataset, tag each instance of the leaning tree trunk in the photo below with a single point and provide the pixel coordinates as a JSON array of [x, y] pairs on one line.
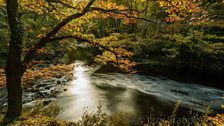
[[14, 69]]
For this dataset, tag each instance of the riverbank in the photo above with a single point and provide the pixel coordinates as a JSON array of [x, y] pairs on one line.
[[132, 96], [102, 119], [136, 95], [183, 75], [37, 73], [175, 52], [44, 82]]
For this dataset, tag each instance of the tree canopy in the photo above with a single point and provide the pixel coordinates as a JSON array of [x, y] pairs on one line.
[[124, 32]]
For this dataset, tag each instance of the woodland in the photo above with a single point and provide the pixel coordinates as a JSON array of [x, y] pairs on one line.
[[40, 39]]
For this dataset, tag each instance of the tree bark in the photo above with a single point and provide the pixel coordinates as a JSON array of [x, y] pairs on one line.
[[13, 83], [14, 69]]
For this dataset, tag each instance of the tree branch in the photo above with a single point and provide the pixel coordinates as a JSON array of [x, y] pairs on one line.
[[121, 12], [49, 36], [3, 10], [53, 7], [68, 19], [62, 3], [79, 38], [42, 42]]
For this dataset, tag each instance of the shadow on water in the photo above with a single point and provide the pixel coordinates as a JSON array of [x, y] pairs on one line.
[[137, 94], [183, 75]]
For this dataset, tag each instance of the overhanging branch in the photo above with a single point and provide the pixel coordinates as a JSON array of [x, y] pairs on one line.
[[79, 38], [42, 42], [49, 37], [121, 12]]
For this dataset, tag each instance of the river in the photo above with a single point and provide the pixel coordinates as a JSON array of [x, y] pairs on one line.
[[135, 94]]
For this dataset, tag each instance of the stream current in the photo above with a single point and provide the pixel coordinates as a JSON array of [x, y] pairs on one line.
[[135, 94]]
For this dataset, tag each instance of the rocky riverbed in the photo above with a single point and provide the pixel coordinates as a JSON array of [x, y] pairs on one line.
[[39, 84]]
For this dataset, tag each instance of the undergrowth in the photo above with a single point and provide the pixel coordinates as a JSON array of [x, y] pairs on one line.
[[99, 118]]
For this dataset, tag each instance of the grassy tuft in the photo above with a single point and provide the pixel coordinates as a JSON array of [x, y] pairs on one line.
[[100, 118]]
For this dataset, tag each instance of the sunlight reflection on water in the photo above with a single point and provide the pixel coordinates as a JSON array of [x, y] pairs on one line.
[[81, 96]]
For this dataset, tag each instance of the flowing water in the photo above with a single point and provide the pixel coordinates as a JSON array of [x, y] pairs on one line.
[[134, 94]]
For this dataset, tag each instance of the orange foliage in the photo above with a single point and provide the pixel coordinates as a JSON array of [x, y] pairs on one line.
[[115, 11], [218, 120], [184, 10], [120, 58], [2, 77], [31, 75]]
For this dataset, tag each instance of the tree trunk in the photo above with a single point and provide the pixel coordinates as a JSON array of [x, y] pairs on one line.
[[13, 83], [14, 69]]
